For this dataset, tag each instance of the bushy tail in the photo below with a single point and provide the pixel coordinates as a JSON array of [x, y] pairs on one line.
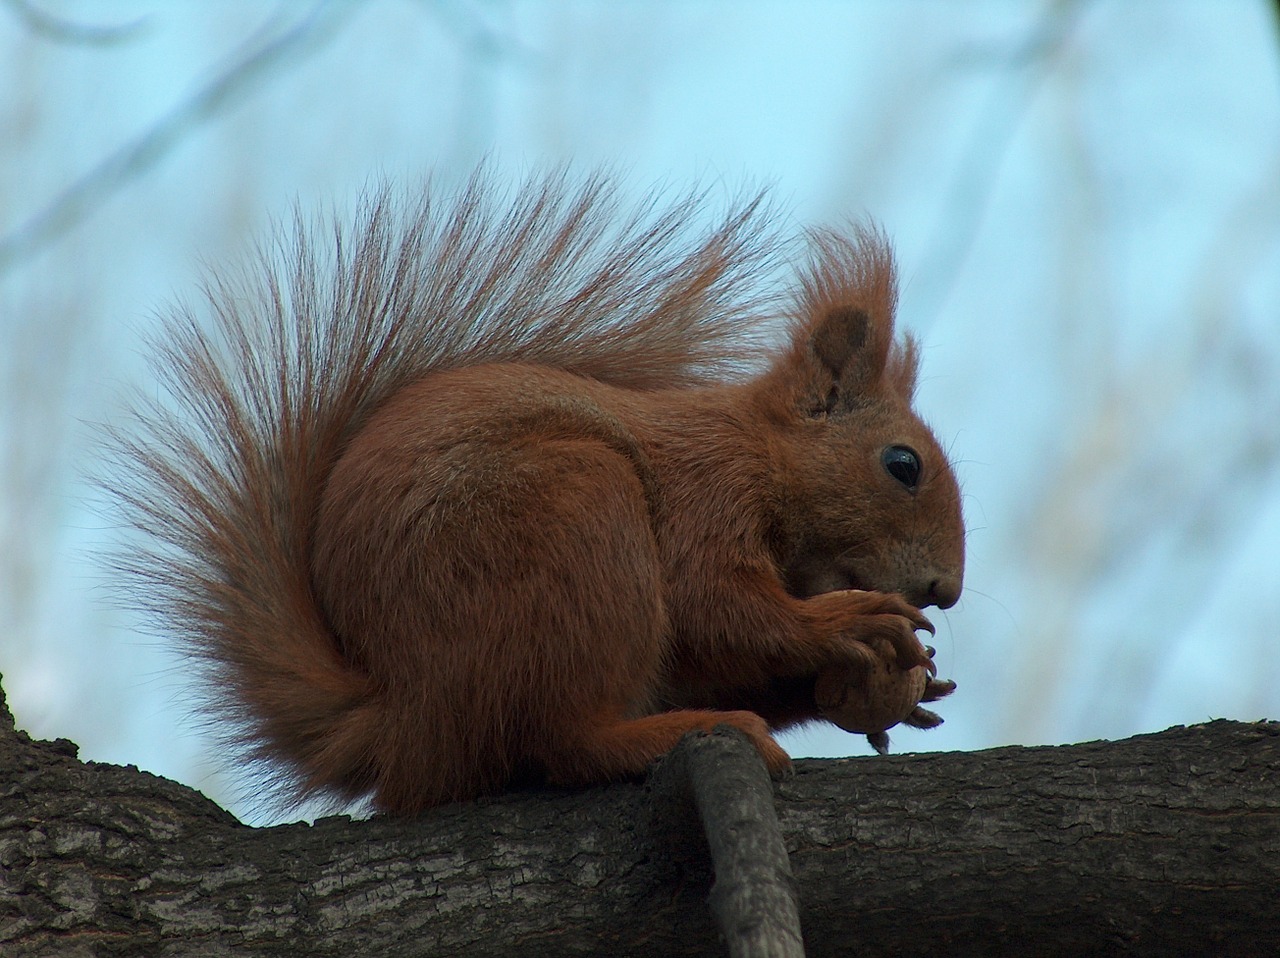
[[284, 361]]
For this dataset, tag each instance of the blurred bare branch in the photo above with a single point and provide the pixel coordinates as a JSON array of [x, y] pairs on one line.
[[478, 36], [974, 176], [60, 30], [247, 74]]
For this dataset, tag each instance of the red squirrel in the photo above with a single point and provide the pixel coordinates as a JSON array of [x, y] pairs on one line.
[[489, 492]]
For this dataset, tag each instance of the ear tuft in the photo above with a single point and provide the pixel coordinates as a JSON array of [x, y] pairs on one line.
[[903, 367], [845, 307]]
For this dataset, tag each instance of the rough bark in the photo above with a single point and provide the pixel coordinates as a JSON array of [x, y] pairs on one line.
[[1160, 844]]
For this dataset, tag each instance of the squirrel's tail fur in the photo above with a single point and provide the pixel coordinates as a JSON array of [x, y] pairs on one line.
[[268, 380]]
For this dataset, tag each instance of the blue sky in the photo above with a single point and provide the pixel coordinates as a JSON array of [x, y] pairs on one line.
[[1085, 200]]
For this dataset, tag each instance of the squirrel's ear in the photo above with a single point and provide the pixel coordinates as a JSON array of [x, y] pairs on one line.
[[839, 335], [851, 349], [845, 321]]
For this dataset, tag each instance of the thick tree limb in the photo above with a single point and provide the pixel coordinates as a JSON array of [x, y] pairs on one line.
[[1156, 845]]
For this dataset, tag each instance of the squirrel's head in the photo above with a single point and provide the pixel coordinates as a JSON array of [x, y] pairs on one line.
[[870, 500]]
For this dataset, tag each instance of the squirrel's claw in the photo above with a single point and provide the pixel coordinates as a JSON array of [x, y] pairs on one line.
[[935, 689], [922, 718], [919, 621], [879, 741]]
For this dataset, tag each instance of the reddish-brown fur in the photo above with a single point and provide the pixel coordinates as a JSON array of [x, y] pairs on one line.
[[482, 496]]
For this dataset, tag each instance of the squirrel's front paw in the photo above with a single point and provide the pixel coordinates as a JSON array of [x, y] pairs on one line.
[[872, 700], [880, 619]]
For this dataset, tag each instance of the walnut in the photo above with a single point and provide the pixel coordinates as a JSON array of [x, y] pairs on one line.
[[872, 700]]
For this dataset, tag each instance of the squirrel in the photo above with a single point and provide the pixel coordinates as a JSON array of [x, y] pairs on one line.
[[507, 487]]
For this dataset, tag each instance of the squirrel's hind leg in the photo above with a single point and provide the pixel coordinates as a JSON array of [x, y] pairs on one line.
[[615, 749]]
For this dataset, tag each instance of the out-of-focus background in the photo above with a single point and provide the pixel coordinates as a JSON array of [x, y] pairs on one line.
[[1084, 196]]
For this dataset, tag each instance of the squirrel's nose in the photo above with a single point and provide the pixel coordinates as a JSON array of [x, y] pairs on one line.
[[944, 592]]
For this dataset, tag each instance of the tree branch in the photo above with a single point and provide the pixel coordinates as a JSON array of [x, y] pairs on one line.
[[1160, 844], [754, 895]]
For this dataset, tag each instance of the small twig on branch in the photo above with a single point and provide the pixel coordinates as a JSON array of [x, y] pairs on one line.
[[754, 896]]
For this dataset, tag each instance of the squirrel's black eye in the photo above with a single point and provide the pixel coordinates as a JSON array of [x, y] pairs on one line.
[[903, 464]]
